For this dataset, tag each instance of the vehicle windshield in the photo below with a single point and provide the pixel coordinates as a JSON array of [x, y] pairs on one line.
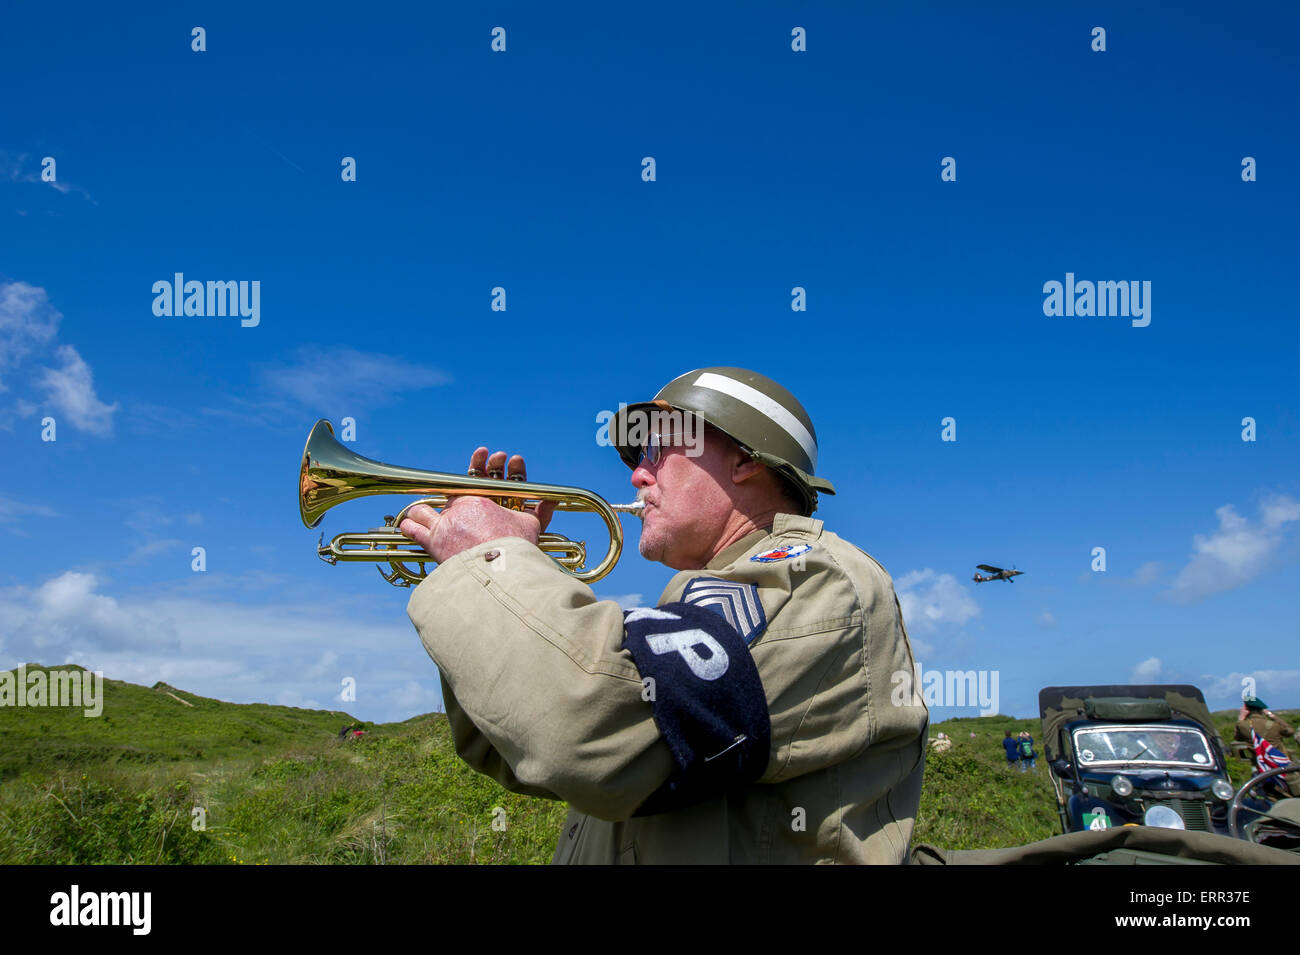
[[1151, 745]]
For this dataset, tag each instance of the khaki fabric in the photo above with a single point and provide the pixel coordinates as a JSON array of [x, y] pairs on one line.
[[542, 697], [1122, 845], [1271, 730]]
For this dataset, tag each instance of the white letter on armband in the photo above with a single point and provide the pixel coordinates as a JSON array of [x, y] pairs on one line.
[[685, 642]]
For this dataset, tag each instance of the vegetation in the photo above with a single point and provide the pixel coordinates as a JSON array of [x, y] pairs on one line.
[[165, 776], [971, 799], [274, 784]]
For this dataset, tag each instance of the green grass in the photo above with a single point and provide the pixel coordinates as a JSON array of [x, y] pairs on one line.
[[277, 786], [971, 800], [275, 783]]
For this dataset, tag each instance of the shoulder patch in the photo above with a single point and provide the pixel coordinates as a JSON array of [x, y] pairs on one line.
[[782, 553], [735, 602]]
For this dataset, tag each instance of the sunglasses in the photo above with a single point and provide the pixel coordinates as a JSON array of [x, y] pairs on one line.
[[652, 451]]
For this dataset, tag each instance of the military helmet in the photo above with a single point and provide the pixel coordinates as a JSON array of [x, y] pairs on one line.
[[752, 410]]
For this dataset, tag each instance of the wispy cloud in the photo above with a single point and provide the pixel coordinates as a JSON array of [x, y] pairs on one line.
[[29, 326], [323, 382], [315, 377], [313, 381], [931, 601], [71, 391], [12, 511], [25, 168], [1238, 551], [1147, 574]]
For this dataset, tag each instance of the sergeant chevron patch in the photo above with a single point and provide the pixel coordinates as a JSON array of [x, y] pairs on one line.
[[736, 603]]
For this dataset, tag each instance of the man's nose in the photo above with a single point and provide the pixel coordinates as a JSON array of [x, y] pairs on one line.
[[642, 477]]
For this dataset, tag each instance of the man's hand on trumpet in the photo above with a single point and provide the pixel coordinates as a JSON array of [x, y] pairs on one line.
[[469, 521]]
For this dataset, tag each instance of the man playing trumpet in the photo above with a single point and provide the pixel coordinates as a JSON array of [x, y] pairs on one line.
[[745, 719]]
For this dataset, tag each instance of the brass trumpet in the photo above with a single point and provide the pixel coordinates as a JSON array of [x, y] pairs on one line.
[[331, 474]]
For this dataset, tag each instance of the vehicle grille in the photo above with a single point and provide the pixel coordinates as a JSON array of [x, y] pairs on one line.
[[1195, 815]]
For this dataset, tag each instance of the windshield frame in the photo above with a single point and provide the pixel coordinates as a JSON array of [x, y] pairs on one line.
[[1142, 760]]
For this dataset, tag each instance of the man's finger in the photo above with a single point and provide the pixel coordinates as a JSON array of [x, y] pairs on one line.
[[418, 532], [422, 513], [544, 512], [478, 461], [517, 470], [496, 464]]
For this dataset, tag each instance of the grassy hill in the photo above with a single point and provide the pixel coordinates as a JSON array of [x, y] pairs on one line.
[[277, 785]]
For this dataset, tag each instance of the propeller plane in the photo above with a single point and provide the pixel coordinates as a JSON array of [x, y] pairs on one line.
[[996, 573]]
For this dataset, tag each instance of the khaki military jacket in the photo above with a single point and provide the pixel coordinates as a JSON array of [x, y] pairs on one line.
[[542, 696], [1271, 730]]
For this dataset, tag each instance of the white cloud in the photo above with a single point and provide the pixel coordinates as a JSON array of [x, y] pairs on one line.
[[1237, 552], [294, 654], [29, 325], [626, 601], [931, 600], [1046, 619], [1278, 688], [71, 391], [1148, 671], [65, 614]]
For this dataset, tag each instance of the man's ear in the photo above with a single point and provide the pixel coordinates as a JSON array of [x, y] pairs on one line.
[[744, 468]]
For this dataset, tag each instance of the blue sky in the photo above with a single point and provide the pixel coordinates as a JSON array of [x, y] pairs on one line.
[[774, 169]]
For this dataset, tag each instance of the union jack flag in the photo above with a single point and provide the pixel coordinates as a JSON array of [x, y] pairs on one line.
[[1268, 756]]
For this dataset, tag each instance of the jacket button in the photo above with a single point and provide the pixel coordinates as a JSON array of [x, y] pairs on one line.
[[492, 555]]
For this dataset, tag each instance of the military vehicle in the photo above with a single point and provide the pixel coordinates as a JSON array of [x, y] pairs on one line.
[[1135, 755], [1131, 789]]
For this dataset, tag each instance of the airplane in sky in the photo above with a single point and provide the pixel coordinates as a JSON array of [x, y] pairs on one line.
[[996, 573]]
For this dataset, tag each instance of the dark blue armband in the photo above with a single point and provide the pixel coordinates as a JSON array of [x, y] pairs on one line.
[[707, 700]]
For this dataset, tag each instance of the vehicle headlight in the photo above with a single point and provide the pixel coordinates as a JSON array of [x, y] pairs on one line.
[[1162, 817], [1122, 786], [1222, 789]]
